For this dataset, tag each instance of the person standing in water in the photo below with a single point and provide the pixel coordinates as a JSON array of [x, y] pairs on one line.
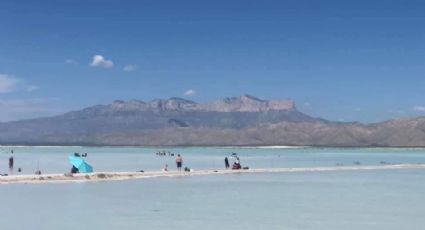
[[226, 162], [179, 162], [11, 162]]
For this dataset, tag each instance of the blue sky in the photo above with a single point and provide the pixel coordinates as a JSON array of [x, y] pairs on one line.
[[340, 60]]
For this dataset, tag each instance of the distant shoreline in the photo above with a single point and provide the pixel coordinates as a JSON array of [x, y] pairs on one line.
[[160, 146], [213, 146]]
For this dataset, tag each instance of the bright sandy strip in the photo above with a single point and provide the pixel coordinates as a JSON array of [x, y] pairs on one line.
[[107, 176]]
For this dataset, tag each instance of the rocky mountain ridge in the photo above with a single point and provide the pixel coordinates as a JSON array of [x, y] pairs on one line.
[[244, 120], [244, 103]]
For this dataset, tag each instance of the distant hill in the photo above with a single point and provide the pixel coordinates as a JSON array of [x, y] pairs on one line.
[[244, 120]]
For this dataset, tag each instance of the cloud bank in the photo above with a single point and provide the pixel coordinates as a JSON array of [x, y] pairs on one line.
[[419, 108], [10, 84], [26, 108]]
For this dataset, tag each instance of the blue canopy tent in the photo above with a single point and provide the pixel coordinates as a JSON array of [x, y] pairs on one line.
[[80, 164]]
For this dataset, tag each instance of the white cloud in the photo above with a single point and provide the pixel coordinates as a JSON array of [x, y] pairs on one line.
[[130, 68], [8, 83], [190, 92], [100, 61], [70, 61], [419, 108]]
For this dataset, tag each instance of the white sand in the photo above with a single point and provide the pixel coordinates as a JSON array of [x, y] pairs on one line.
[[108, 176]]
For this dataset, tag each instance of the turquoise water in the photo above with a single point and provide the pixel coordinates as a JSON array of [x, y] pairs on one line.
[[389, 199], [55, 159]]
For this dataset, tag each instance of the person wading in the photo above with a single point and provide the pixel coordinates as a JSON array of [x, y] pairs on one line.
[[11, 162], [226, 162], [179, 162]]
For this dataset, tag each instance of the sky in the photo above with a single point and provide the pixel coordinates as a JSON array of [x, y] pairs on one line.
[[339, 60]]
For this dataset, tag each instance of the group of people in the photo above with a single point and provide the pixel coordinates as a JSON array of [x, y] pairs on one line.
[[163, 153], [179, 164], [75, 169], [80, 155], [11, 162], [236, 165]]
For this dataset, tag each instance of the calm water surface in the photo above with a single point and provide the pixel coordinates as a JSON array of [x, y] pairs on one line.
[[390, 199]]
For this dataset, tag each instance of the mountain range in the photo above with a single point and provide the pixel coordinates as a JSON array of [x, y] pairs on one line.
[[233, 121]]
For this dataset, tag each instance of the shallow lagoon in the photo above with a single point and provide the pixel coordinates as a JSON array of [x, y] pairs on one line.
[[389, 199], [55, 159]]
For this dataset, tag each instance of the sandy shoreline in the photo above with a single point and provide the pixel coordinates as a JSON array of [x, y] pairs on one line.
[[111, 176]]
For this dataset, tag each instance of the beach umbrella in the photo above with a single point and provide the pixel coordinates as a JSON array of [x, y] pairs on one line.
[[76, 161], [80, 164], [85, 168]]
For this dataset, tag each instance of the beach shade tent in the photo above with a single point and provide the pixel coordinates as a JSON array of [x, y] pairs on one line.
[[80, 164]]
